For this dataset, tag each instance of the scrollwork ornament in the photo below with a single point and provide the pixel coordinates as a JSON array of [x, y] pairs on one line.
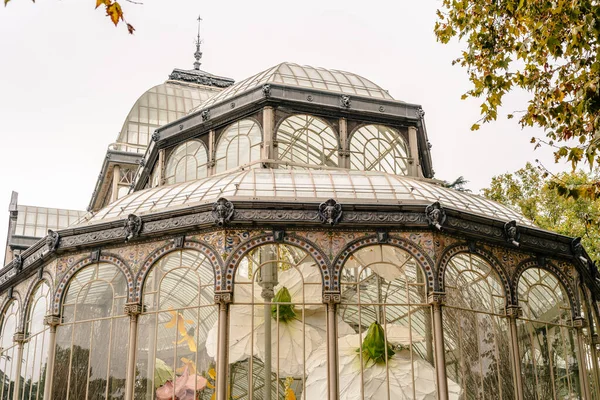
[[132, 226], [222, 211], [52, 240], [511, 232], [435, 215], [332, 298], [330, 212], [436, 298], [223, 298], [513, 311]]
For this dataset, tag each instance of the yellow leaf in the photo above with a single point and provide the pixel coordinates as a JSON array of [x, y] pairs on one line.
[[115, 12], [289, 394], [212, 373], [475, 127], [101, 2]]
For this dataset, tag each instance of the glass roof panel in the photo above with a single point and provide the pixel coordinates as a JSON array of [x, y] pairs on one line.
[[319, 185], [35, 221], [291, 74], [158, 106]]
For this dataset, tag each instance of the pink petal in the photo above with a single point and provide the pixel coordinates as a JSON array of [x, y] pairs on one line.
[[165, 392]]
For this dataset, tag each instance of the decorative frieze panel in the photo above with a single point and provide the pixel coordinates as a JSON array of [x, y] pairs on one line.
[[331, 242]]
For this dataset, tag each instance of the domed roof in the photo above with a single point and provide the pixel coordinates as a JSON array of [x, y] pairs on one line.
[[303, 185], [158, 106], [290, 74]]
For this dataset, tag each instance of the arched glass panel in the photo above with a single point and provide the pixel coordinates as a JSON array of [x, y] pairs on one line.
[[306, 140], [385, 348], [179, 310], [277, 324], [187, 162], [35, 350], [90, 360], [238, 145], [379, 148], [546, 338], [476, 332], [8, 350], [590, 355]]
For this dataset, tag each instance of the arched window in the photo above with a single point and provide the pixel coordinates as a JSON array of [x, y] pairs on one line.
[[187, 162], [476, 336], [388, 351], [277, 323], [379, 148], [35, 350], [179, 310], [239, 144], [546, 339], [90, 360], [8, 350], [305, 139]]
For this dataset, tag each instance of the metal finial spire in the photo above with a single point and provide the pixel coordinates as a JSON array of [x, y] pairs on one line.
[[198, 53]]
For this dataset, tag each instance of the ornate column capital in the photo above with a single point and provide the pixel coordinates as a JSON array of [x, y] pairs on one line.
[[223, 298], [20, 337], [436, 298], [513, 311], [579, 323], [332, 298], [133, 310], [595, 339], [52, 320]]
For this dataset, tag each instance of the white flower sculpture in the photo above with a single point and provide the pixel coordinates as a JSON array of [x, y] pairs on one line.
[[292, 339], [376, 378]]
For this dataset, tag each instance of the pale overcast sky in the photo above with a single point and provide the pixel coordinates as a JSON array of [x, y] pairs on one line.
[[68, 79]]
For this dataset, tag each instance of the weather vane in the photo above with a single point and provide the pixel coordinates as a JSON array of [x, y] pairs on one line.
[[198, 53]]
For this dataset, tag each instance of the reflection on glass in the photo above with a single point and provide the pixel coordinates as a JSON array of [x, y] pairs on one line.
[[187, 162], [547, 342], [307, 140], [379, 148], [387, 352], [173, 360], [33, 369], [476, 337], [277, 323], [8, 350], [238, 145], [90, 362]]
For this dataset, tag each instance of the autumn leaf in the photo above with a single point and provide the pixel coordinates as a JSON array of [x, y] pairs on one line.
[[115, 12], [102, 2], [130, 28]]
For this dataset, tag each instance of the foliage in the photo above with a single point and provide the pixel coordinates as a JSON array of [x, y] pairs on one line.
[[283, 307], [458, 184], [541, 198], [550, 48], [374, 346], [113, 11]]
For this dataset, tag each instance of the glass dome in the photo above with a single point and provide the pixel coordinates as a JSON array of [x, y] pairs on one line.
[[290, 74], [160, 105], [304, 185]]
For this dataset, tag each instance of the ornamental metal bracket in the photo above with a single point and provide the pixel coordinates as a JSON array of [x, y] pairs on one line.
[[18, 263], [577, 250], [133, 310], [330, 212], [579, 323], [52, 320], [266, 90], [132, 226], [222, 211], [511, 232], [435, 215], [345, 101], [52, 240]]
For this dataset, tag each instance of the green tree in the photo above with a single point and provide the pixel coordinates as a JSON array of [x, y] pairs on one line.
[[550, 48], [540, 198]]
